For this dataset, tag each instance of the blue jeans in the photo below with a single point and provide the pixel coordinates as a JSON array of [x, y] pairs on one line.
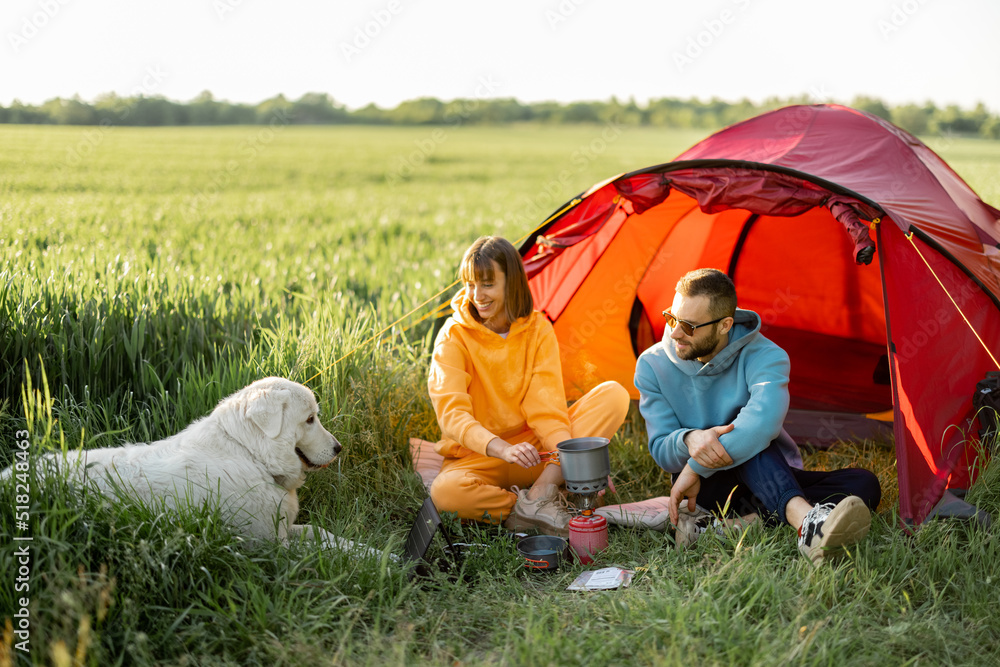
[[766, 483]]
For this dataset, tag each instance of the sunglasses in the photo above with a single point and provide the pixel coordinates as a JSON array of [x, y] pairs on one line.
[[686, 327]]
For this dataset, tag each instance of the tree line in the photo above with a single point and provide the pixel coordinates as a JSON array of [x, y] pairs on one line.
[[322, 109]]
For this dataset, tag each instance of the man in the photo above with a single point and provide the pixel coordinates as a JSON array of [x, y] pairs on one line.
[[714, 393]]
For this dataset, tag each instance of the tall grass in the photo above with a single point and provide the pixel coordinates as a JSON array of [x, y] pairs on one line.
[[173, 267]]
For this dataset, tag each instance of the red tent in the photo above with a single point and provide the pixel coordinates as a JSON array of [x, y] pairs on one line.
[[784, 203]]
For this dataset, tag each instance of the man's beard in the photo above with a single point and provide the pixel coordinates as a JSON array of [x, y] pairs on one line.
[[700, 349]]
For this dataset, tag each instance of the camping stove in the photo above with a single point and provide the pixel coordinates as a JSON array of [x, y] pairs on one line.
[[585, 466]]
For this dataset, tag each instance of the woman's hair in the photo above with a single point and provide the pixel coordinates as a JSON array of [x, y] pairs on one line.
[[714, 284], [477, 265]]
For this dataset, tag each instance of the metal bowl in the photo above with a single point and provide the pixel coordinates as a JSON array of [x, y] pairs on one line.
[[585, 464], [542, 552]]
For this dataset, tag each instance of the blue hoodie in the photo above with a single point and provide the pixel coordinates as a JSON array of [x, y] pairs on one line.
[[745, 384]]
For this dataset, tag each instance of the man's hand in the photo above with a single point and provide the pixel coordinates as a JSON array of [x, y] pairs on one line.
[[687, 485], [523, 453], [704, 446]]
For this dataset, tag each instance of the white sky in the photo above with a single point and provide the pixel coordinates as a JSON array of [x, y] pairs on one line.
[[249, 50]]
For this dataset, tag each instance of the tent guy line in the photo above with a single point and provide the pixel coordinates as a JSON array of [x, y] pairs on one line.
[[909, 237]]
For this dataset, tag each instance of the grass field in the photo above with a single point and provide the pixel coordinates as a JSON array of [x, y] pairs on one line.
[[147, 273]]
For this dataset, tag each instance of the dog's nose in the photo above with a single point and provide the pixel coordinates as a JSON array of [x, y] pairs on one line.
[[336, 447]]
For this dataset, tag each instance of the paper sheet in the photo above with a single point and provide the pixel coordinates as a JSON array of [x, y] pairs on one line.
[[606, 578]]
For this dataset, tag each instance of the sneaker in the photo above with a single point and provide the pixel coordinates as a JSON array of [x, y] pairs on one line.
[[547, 514], [690, 527], [828, 528]]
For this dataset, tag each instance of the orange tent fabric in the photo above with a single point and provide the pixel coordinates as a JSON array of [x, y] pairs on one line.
[[783, 203]]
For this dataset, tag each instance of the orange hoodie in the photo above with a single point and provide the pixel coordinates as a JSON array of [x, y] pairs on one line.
[[484, 386]]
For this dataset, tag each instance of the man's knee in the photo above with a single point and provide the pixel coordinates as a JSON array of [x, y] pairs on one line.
[[765, 464]]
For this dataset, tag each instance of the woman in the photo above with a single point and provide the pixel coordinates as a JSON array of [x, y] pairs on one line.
[[497, 389]]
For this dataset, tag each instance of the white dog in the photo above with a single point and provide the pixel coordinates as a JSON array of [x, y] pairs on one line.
[[250, 455]]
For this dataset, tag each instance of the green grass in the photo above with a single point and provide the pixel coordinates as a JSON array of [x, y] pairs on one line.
[[146, 278]]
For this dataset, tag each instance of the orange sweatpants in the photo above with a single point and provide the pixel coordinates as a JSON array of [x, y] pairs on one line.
[[478, 487]]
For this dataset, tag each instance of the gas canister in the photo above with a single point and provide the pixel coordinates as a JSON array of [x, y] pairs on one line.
[[587, 536]]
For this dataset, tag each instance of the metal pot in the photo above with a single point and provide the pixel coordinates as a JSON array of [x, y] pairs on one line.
[[585, 464], [542, 552]]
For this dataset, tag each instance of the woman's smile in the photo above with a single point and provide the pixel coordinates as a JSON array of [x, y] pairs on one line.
[[487, 295]]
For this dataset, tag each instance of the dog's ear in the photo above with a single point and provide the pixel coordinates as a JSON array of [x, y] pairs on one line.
[[265, 410]]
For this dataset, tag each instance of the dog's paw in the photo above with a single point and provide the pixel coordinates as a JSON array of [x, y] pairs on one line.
[[330, 541]]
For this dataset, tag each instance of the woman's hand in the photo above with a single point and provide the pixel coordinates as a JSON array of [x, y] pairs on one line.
[[523, 453]]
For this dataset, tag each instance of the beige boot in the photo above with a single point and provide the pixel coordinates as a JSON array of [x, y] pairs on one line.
[[547, 514]]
